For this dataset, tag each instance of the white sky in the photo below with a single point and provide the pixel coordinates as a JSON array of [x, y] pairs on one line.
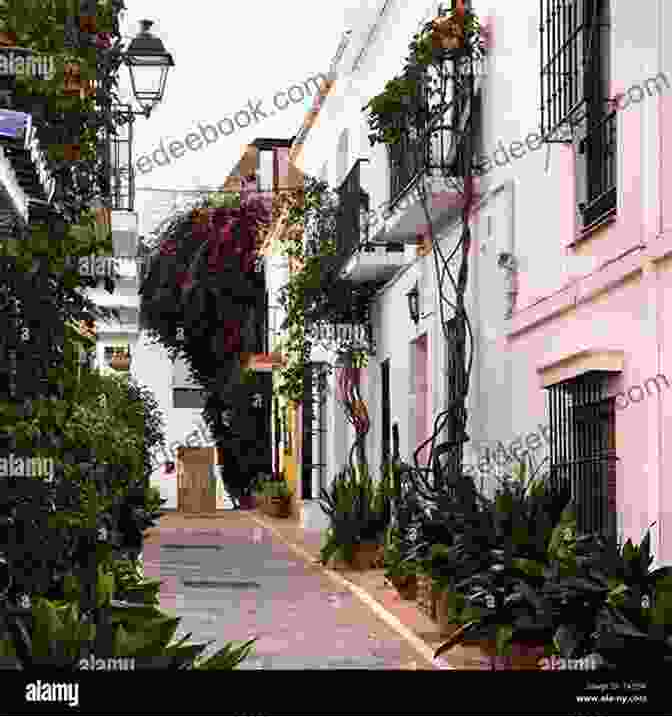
[[226, 54]]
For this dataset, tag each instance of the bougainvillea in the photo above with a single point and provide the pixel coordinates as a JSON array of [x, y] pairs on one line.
[[200, 294]]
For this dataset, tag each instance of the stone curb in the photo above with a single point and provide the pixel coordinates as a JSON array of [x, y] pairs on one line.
[[424, 650]]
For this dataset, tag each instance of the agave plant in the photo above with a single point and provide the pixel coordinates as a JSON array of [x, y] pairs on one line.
[[56, 634], [499, 564]]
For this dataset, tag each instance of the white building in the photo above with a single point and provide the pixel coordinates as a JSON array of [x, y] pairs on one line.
[[550, 243], [178, 398]]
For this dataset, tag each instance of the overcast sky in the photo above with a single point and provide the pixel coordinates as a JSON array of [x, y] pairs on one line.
[[225, 55]]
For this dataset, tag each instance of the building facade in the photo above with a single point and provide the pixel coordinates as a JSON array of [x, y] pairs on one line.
[[568, 268]]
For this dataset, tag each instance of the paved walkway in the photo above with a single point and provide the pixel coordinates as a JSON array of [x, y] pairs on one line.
[[233, 576]]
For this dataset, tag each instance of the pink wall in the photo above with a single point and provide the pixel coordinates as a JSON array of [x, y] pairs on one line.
[[621, 306]]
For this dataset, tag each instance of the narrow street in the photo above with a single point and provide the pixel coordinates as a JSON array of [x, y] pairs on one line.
[[230, 579]]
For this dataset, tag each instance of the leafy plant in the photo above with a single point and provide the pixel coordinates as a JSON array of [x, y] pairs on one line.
[[56, 634], [396, 566], [277, 489], [358, 510]]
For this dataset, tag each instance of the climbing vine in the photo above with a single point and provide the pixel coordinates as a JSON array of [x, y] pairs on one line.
[[437, 83], [309, 238], [314, 292]]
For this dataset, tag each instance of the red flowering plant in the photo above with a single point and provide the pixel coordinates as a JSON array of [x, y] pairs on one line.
[[200, 293]]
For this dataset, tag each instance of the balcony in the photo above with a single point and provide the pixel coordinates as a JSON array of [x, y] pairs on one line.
[[358, 259], [437, 155], [21, 147]]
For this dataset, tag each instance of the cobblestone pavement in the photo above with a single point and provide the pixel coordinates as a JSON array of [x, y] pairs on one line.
[[231, 579]]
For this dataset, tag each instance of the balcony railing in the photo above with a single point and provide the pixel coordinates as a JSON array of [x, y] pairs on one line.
[[404, 164], [350, 223], [424, 149], [599, 147]]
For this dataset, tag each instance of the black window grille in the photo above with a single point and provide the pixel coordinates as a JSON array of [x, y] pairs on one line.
[[574, 58], [386, 411], [575, 76], [598, 150], [353, 205], [314, 447], [583, 451]]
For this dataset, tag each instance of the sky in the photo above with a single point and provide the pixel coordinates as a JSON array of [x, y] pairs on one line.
[[226, 54]]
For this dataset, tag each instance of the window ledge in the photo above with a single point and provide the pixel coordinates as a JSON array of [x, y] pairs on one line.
[[571, 366], [605, 220]]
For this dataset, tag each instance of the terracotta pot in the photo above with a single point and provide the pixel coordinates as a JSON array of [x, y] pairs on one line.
[[446, 627], [72, 152], [482, 655], [406, 586], [448, 26], [446, 42], [8, 39], [120, 362], [278, 507], [247, 502], [365, 556]]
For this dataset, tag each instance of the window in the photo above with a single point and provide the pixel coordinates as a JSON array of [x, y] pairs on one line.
[[314, 457], [455, 377], [266, 179], [582, 450], [386, 415], [575, 75]]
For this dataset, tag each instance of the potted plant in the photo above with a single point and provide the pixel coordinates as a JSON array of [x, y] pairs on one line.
[[259, 491], [401, 573], [521, 578], [278, 499], [359, 513], [121, 359]]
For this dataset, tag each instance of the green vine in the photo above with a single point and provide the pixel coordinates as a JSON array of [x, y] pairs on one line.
[[402, 103], [311, 213]]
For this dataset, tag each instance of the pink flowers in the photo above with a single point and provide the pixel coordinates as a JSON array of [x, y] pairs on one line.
[[168, 247], [185, 280], [103, 40]]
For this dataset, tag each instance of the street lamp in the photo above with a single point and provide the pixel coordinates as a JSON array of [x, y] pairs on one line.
[[413, 297], [148, 64]]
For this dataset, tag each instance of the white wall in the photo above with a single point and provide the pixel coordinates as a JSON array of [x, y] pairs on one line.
[[183, 426]]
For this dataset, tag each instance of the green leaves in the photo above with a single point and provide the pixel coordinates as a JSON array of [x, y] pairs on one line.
[[228, 658], [357, 509], [60, 636], [105, 587]]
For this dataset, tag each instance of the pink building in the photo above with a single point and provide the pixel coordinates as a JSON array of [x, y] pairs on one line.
[[589, 339]]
